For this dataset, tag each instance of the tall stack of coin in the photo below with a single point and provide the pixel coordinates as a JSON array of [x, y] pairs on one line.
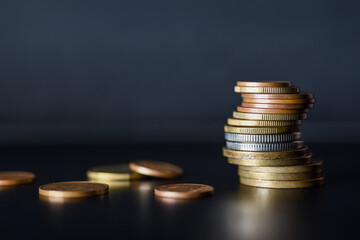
[[264, 140]]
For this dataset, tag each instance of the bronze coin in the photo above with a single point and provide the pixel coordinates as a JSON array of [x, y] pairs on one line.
[[264, 84], [74, 189], [156, 169], [276, 106], [280, 101], [278, 96], [16, 178], [183, 190], [270, 110]]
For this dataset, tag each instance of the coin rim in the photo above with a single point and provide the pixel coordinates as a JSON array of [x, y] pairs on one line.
[[183, 195]]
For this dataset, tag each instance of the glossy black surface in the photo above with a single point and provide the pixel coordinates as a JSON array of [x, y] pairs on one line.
[[130, 210]]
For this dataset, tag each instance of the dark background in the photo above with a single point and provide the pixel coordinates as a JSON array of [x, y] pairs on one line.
[[103, 72]]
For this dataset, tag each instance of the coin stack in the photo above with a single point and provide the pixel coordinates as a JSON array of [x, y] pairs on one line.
[[264, 140]]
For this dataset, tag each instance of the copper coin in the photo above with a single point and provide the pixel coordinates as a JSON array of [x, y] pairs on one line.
[[276, 106], [183, 190], [279, 101], [264, 84], [16, 178], [156, 169], [278, 96], [74, 189], [270, 110]]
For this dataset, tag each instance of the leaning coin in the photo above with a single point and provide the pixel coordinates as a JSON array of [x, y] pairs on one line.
[[74, 189], [269, 117], [260, 130], [271, 110], [273, 162], [118, 172], [279, 101], [276, 106], [264, 147], [273, 90], [282, 184], [258, 123], [183, 190], [9, 178], [156, 169], [264, 84], [278, 96], [294, 153], [280, 176], [315, 166], [263, 138]]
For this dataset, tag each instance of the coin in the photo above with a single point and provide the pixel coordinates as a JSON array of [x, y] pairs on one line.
[[280, 176], [278, 96], [271, 110], [269, 117], [260, 130], [264, 147], [257, 123], [276, 106], [264, 84], [9, 178], [273, 162], [156, 169], [294, 153], [118, 172], [273, 90], [311, 167], [74, 189], [282, 184], [183, 190], [263, 138], [279, 101]]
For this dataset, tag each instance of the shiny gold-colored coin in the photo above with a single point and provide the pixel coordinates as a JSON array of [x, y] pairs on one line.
[[294, 153], [10, 178], [269, 117], [270, 163], [271, 110], [118, 172], [279, 101], [76, 189], [264, 84], [278, 96], [311, 167], [260, 130], [156, 169], [279, 176], [276, 106], [257, 123], [282, 184], [183, 191], [273, 90]]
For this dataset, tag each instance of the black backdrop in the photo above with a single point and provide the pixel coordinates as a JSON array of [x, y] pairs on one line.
[[158, 71]]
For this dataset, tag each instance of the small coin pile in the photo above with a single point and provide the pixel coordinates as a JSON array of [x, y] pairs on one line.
[[264, 140]]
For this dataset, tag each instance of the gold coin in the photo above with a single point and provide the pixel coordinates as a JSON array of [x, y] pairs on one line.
[[273, 162], [279, 176], [276, 106], [258, 123], [264, 84], [183, 190], [294, 153], [312, 167], [156, 169], [269, 117], [282, 184], [271, 110], [279, 101], [274, 90], [118, 172], [9, 178], [278, 96], [260, 130], [74, 189]]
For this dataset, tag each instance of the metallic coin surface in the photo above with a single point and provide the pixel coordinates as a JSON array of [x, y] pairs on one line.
[[156, 169], [269, 117], [295, 153], [264, 147], [183, 190], [260, 130], [280, 176], [273, 90], [278, 96], [10, 178], [258, 123], [263, 138], [118, 172], [276, 106], [282, 184], [315, 166], [279, 101], [264, 84], [74, 189], [271, 110], [273, 162]]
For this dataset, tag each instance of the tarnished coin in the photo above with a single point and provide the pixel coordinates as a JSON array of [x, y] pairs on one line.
[[76, 189], [278, 96], [156, 169], [271, 110], [269, 117], [294, 153], [118, 172], [279, 101], [264, 84], [273, 162], [280, 176], [263, 138], [9, 178], [273, 90], [183, 190], [258, 123], [282, 184], [276, 106], [260, 130], [264, 147], [311, 167]]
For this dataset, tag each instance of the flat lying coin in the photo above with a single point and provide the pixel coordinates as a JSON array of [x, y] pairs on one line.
[[74, 189], [183, 191], [278, 96], [260, 130], [118, 172], [271, 110], [312, 167], [276, 106], [274, 90], [280, 176], [264, 84], [279, 101], [258, 123], [282, 184], [264, 147], [269, 117], [263, 138], [273, 162], [16, 178], [156, 169], [295, 153]]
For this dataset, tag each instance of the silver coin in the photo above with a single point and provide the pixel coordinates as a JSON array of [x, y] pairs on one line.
[[263, 138], [264, 147]]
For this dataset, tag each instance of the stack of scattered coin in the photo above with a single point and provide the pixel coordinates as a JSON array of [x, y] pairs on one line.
[[264, 140]]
